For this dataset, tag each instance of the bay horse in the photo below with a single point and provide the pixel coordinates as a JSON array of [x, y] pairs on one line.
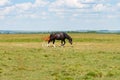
[[59, 36]]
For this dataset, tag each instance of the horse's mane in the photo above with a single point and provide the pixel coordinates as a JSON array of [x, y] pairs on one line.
[[66, 35]]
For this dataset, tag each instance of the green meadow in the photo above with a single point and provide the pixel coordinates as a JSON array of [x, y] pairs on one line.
[[91, 57]]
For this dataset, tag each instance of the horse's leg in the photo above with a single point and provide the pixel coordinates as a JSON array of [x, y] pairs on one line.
[[48, 43], [54, 42], [61, 42], [64, 42]]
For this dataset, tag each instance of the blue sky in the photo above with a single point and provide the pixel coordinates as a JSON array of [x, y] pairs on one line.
[[60, 15]]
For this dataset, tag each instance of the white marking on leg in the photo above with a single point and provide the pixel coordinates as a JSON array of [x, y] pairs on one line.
[[47, 45], [54, 45]]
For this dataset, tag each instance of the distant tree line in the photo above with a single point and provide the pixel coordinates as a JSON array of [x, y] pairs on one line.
[[45, 32]]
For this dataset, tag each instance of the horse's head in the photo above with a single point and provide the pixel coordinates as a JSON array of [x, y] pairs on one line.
[[69, 38], [70, 41]]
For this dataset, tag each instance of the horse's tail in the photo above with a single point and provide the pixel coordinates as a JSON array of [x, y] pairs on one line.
[[46, 38]]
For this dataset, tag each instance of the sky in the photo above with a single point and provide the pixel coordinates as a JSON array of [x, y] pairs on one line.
[[59, 15]]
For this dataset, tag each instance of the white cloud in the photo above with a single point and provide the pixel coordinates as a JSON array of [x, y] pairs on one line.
[[40, 3], [74, 3], [63, 7], [24, 6], [111, 16], [2, 17], [59, 7], [15, 9], [88, 1], [27, 16], [5, 11], [100, 7], [92, 1], [23, 9], [43, 13], [4, 2], [118, 4], [67, 3], [57, 3]]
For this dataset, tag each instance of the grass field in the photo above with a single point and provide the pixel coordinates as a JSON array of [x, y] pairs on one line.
[[92, 57]]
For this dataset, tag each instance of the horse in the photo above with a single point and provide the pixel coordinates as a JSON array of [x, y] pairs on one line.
[[59, 36]]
